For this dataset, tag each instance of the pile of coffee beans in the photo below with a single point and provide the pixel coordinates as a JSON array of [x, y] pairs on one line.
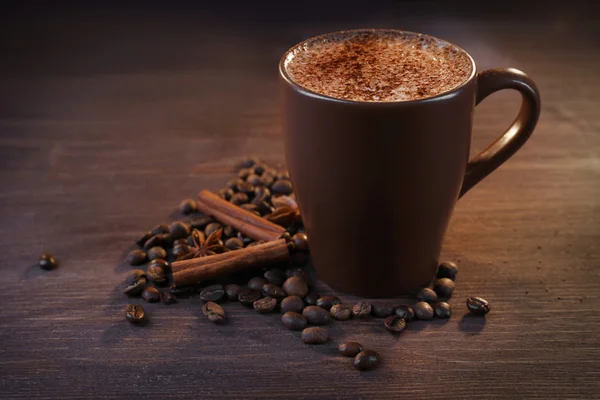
[[285, 289]]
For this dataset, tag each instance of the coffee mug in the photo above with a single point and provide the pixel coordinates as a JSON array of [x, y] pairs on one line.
[[376, 182]]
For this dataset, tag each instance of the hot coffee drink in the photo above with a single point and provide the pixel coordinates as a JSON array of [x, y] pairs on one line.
[[378, 66]]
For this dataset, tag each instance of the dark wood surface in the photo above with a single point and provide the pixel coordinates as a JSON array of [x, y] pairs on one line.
[[108, 118]]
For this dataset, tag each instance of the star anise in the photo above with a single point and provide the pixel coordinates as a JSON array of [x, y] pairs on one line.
[[284, 216], [204, 246]]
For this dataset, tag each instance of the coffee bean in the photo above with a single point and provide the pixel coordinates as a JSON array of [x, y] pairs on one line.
[[267, 180], [229, 231], [350, 349], [232, 291], [259, 168], [160, 228], [301, 242], [245, 187], [245, 172], [366, 360], [265, 305], [179, 229], [442, 310], [135, 282], [201, 222], [299, 259], [311, 298], [274, 276], [212, 228], [168, 298], [156, 252], [315, 335], [272, 172], [248, 296], [405, 312], [394, 324], [295, 286], [283, 201], [247, 163], [253, 179], [256, 283], [154, 241], [213, 312], [261, 194], [444, 287], [135, 257], [151, 294], [271, 290], [382, 310], [282, 186], [183, 291], [160, 263], [478, 306], [180, 241], [225, 194], [316, 315], [239, 198], [234, 243], [292, 303], [294, 321], [167, 240], [447, 269], [147, 235], [427, 294], [232, 183], [188, 206], [341, 312], [362, 309], [423, 311], [135, 313], [156, 274], [181, 249], [212, 293], [283, 174], [327, 302], [299, 272]]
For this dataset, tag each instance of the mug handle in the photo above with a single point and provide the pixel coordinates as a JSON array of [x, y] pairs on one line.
[[505, 146]]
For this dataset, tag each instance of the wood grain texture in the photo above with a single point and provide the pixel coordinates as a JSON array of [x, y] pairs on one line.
[[109, 118]]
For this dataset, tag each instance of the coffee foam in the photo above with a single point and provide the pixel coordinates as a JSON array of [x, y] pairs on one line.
[[380, 66]]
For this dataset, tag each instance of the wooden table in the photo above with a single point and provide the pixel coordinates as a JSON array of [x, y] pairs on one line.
[[108, 118]]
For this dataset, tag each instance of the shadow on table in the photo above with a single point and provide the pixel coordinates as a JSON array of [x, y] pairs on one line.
[[472, 324]]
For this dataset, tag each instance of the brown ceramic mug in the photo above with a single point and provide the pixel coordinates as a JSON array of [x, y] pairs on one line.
[[376, 182]]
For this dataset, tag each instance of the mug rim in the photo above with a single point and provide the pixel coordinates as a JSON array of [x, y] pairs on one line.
[[311, 93]]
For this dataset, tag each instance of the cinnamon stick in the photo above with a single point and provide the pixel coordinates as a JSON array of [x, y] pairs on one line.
[[244, 221], [190, 272]]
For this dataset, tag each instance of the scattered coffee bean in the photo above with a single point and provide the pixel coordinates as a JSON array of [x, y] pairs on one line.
[[267, 180], [239, 198], [294, 321], [245, 173], [292, 303], [188, 206], [256, 283], [301, 242], [156, 274], [283, 174], [160, 228], [181, 249], [234, 243], [213, 312], [147, 235], [229, 231], [180, 241], [151, 294], [248, 296], [271, 290], [265, 305], [48, 262], [299, 259], [154, 241], [382, 310], [362, 309], [232, 291], [212, 293], [405, 312], [179, 229], [394, 324], [423, 311], [168, 298], [341, 312], [442, 310], [135, 282], [478, 306], [160, 263], [261, 194], [447, 269], [282, 186], [232, 183], [135, 313], [295, 286], [136, 257], [366, 360], [315, 335], [212, 228], [427, 294], [167, 240], [259, 168], [350, 349], [327, 302], [311, 298], [316, 315], [225, 194], [296, 271], [245, 187], [247, 163], [274, 276], [183, 291], [253, 179], [444, 287], [156, 252], [201, 222]]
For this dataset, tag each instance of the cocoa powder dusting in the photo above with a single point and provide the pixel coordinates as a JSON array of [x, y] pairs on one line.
[[378, 66]]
